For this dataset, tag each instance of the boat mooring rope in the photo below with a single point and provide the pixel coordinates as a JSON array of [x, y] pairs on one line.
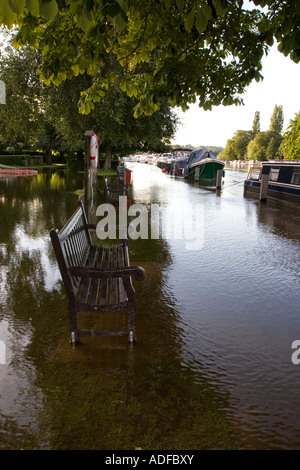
[[234, 184]]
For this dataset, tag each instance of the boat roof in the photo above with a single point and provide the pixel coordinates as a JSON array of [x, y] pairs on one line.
[[200, 154], [280, 162]]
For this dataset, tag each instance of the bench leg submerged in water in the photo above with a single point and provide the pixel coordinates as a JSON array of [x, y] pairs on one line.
[[77, 333]]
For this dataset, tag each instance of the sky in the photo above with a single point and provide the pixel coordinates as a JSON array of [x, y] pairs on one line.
[[281, 86]]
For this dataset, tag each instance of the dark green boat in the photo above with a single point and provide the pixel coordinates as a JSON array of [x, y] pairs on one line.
[[203, 165]]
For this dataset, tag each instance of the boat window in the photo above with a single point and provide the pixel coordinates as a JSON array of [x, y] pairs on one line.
[[296, 176], [274, 173]]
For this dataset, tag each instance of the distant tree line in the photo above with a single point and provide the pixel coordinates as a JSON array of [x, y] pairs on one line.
[[260, 145]]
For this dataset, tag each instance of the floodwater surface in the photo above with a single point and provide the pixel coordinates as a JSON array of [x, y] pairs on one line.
[[216, 320]]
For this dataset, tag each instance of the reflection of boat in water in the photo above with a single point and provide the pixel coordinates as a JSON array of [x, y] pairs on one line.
[[281, 180], [203, 165]]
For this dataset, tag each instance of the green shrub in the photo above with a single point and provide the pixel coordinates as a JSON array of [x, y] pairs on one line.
[[21, 160], [14, 159]]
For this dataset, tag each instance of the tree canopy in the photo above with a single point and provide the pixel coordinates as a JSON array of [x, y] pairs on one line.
[[19, 120], [254, 144], [276, 124], [266, 144], [173, 49], [236, 148], [290, 145], [256, 123], [48, 118]]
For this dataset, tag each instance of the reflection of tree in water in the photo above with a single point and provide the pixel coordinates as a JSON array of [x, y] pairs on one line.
[[29, 300], [41, 202], [36, 318]]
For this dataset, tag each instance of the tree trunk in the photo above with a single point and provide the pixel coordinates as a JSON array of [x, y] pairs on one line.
[[108, 157], [48, 157]]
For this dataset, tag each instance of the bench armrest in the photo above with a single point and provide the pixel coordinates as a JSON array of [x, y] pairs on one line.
[[137, 271]]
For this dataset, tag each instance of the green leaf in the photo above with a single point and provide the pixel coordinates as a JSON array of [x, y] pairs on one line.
[[221, 6], [119, 21], [85, 19], [48, 10], [189, 20], [74, 5], [17, 6], [123, 5], [7, 15], [201, 21], [204, 14], [180, 4], [168, 3], [33, 7], [76, 69]]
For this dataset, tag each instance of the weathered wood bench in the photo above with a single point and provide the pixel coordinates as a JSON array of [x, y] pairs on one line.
[[96, 278], [113, 191]]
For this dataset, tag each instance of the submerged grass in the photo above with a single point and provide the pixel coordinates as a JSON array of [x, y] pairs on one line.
[[156, 406]]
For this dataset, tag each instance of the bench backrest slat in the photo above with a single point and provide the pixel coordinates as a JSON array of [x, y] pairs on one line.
[[72, 245], [121, 264], [96, 282]]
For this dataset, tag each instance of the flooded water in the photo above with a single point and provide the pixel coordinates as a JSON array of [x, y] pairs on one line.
[[216, 319]]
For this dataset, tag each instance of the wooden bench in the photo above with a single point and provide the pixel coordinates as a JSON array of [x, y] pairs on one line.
[[96, 278], [113, 191]]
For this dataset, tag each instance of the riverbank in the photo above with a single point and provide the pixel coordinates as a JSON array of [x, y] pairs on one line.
[[54, 166]]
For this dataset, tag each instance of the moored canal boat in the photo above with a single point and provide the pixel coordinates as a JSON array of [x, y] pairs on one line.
[[282, 179], [203, 165], [178, 166]]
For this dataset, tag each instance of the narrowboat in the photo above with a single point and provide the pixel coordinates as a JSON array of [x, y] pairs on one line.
[[203, 165], [178, 166], [281, 180]]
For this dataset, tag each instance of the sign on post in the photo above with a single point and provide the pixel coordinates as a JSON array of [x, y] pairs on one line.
[[2, 353], [2, 93]]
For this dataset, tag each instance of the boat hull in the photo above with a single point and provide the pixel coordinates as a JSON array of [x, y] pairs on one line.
[[283, 192], [204, 170]]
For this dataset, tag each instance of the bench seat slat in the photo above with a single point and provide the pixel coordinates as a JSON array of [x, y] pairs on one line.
[[121, 264], [96, 282], [113, 297], [86, 283], [105, 282]]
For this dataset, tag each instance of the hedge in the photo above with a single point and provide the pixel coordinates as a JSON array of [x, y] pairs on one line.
[[20, 160]]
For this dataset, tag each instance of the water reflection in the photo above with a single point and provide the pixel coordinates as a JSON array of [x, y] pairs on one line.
[[238, 300], [29, 277], [226, 313]]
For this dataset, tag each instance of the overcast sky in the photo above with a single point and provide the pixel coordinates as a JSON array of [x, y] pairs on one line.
[[281, 86]]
